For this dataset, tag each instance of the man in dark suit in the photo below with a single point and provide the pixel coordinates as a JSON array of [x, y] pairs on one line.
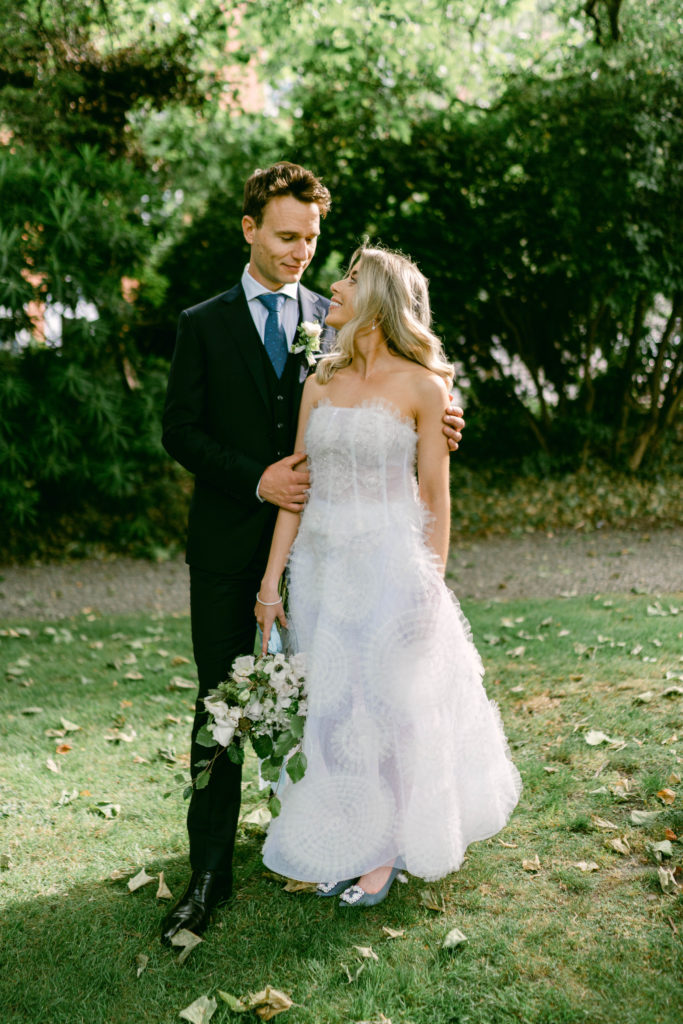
[[230, 418]]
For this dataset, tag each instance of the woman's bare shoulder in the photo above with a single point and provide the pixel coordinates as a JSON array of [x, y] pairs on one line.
[[429, 387]]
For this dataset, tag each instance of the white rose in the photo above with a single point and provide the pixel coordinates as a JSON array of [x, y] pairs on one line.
[[223, 732], [254, 710]]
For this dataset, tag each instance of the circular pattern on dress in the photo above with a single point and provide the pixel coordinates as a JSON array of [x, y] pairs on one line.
[[330, 826], [350, 589], [433, 843], [408, 664], [327, 674], [358, 743]]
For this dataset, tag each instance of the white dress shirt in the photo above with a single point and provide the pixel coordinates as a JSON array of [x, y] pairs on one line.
[[289, 315]]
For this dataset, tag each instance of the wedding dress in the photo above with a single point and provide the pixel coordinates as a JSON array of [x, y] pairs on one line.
[[407, 760]]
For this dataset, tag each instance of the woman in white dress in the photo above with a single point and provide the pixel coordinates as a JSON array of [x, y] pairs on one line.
[[407, 762]]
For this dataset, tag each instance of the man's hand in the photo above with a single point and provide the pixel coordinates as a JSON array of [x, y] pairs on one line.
[[284, 485], [453, 425]]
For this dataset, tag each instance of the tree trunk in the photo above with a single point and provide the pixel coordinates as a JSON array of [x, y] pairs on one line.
[[663, 407]]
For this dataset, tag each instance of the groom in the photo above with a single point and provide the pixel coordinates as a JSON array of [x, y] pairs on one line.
[[230, 418]]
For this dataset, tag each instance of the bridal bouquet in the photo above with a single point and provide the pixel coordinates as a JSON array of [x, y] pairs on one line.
[[264, 700]]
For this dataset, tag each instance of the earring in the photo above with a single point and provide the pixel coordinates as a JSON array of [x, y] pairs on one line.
[[373, 325]]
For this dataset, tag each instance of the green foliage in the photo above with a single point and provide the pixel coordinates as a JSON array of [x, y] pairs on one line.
[[81, 460]]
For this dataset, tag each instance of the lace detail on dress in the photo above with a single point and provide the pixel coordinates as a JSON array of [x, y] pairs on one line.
[[407, 760]]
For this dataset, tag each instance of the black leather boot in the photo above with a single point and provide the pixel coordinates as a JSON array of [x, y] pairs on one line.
[[206, 890]]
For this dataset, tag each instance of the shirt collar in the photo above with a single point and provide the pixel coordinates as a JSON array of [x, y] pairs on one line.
[[253, 288]]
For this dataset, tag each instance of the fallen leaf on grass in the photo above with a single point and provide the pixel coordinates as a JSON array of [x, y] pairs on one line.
[[643, 698], [163, 892], [66, 797], [367, 952], [619, 846], [667, 881], [594, 738], [269, 1003], [622, 789], [142, 878], [353, 977], [106, 810], [200, 1011], [294, 886], [644, 817], [68, 726], [187, 940], [179, 660], [52, 766], [63, 748], [454, 939], [532, 865], [602, 822], [393, 933], [667, 796], [117, 875], [257, 816], [432, 900], [586, 865], [380, 1019], [141, 961], [32, 711], [178, 683], [663, 849], [670, 834], [673, 691], [508, 846]]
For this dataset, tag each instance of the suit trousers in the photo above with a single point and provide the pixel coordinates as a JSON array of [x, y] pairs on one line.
[[223, 627]]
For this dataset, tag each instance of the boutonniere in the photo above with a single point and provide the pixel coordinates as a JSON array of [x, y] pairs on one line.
[[308, 340]]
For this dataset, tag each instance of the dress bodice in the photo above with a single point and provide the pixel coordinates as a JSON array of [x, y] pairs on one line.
[[362, 462]]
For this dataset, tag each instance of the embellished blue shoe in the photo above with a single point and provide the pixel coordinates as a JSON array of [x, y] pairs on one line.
[[333, 888], [356, 896]]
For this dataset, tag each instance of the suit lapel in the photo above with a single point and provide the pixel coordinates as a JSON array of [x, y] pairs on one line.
[[245, 338]]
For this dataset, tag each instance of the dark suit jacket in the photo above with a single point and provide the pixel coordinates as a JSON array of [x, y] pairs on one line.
[[219, 423]]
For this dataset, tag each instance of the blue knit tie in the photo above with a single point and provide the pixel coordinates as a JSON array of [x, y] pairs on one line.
[[275, 338]]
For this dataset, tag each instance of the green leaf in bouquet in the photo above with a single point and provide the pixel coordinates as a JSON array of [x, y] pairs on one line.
[[296, 726], [270, 769], [204, 737], [236, 754], [296, 766], [202, 780], [274, 806], [187, 792], [263, 746], [284, 743], [199, 764]]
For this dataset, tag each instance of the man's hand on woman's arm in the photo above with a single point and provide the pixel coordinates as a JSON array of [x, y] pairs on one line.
[[284, 485], [453, 425]]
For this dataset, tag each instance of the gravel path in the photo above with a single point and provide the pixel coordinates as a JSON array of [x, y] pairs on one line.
[[502, 568]]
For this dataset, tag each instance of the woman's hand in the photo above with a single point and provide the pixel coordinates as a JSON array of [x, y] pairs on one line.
[[268, 609]]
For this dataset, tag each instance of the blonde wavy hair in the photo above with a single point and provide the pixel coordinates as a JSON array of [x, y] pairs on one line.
[[392, 293]]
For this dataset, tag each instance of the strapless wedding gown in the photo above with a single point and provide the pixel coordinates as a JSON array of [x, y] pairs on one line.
[[407, 760]]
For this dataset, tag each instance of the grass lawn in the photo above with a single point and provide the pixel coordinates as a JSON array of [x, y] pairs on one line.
[[563, 924]]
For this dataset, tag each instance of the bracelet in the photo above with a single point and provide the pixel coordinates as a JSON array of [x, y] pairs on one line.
[[267, 604]]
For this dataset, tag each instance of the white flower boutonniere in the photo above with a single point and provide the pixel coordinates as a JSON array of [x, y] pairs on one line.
[[308, 340]]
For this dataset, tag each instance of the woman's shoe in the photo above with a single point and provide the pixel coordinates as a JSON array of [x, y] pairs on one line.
[[356, 896], [333, 888]]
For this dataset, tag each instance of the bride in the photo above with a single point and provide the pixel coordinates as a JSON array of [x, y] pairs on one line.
[[407, 762]]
